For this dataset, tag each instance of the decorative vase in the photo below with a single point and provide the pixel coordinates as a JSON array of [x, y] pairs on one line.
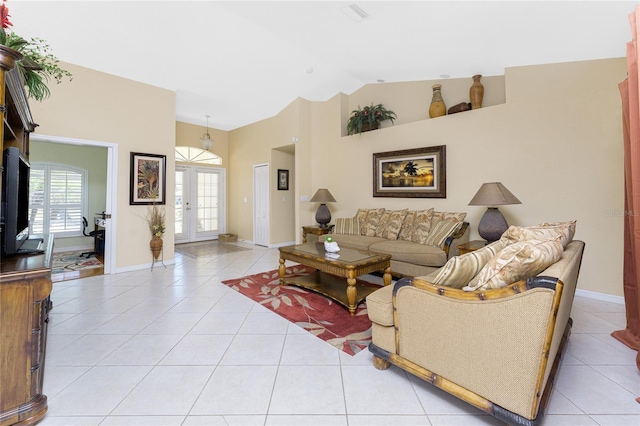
[[476, 92], [437, 107], [156, 246]]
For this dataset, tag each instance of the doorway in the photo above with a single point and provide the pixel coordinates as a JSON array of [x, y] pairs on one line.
[[200, 203], [109, 222]]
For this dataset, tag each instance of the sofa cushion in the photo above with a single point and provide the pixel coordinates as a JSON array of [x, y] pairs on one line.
[[544, 231], [518, 261], [459, 270], [356, 242], [390, 224], [347, 225], [443, 224], [380, 306], [406, 251], [371, 222], [421, 226]]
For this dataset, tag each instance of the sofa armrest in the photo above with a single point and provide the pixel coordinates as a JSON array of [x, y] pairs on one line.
[[451, 243], [493, 343]]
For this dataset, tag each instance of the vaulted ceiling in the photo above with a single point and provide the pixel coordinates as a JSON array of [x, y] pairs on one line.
[[241, 61]]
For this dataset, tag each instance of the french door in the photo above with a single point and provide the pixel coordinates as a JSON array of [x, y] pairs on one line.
[[200, 203]]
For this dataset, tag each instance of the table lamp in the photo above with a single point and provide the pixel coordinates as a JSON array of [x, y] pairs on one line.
[[492, 224], [323, 215]]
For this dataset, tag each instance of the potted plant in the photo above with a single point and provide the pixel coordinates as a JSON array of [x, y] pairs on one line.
[[157, 226], [38, 64], [368, 118]]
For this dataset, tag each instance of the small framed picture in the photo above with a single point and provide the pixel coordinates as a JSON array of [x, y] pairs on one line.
[[283, 180], [148, 179]]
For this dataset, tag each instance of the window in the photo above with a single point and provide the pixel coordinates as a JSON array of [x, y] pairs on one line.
[[196, 155], [57, 199]]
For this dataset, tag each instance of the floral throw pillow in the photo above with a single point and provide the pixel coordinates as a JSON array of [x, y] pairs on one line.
[[372, 221], [460, 270], [361, 215], [407, 226], [390, 224], [421, 226], [544, 231], [516, 262]]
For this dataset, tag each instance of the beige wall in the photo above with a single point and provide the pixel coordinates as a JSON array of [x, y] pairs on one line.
[[91, 158], [552, 135], [138, 118]]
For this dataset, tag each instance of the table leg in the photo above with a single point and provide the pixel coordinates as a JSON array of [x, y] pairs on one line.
[[352, 291], [304, 237], [282, 271], [386, 278]]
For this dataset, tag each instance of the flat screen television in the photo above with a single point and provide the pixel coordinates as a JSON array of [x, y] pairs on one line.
[[14, 214]]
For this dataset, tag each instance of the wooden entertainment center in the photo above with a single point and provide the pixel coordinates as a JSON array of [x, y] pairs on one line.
[[25, 280]]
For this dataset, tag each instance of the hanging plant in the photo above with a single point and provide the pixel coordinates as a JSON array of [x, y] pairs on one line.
[[38, 65]]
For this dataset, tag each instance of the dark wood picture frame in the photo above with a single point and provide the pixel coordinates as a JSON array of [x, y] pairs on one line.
[[148, 179], [411, 173], [283, 180]]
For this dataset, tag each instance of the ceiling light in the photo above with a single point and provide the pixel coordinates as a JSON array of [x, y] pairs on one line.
[[355, 13], [206, 140]]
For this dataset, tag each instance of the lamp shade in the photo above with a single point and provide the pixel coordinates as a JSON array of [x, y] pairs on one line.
[[493, 224], [323, 215], [322, 195], [207, 142], [493, 194]]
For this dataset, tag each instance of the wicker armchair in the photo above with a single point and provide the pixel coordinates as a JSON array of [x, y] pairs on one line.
[[490, 348]]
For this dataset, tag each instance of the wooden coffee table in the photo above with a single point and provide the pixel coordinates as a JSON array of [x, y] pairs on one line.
[[329, 278]]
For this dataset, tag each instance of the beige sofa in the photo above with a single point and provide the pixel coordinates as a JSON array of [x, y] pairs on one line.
[[498, 349], [419, 241]]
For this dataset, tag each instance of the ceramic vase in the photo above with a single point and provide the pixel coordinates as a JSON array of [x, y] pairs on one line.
[[437, 107], [476, 92], [156, 246]]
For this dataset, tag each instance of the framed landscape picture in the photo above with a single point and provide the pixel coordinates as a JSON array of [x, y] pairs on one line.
[[148, 179], [411, 173]]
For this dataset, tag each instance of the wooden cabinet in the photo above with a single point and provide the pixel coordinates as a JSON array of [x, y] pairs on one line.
[[25, 287], [25, 280]]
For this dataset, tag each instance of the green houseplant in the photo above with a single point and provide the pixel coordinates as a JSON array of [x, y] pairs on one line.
[[38, 64], [368, 118]]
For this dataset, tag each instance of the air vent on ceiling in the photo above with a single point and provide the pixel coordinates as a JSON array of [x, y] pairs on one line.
[[354, 12]]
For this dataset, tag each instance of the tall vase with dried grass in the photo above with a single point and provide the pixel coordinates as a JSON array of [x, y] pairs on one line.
[[157, 226]]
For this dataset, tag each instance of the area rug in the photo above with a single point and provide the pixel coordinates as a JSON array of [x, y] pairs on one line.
[[71, 261], [207, 248], [317, 314]]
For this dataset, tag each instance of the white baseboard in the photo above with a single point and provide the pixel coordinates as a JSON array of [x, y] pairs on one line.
[[600, 296], [290, 243], [133, 268]]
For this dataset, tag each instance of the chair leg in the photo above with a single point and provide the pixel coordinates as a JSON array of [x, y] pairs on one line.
[[380, 364]]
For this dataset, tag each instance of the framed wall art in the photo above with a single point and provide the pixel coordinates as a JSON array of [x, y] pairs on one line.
[[283, 180], [411, 173], [148, 179]]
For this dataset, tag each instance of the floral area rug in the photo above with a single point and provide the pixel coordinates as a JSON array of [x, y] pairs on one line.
[[71, 261], [319, 315]]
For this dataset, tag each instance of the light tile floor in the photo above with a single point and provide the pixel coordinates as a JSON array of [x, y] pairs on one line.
[[175, 347]]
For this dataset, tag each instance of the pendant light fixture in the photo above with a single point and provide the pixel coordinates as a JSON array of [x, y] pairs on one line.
[[206, 140]]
